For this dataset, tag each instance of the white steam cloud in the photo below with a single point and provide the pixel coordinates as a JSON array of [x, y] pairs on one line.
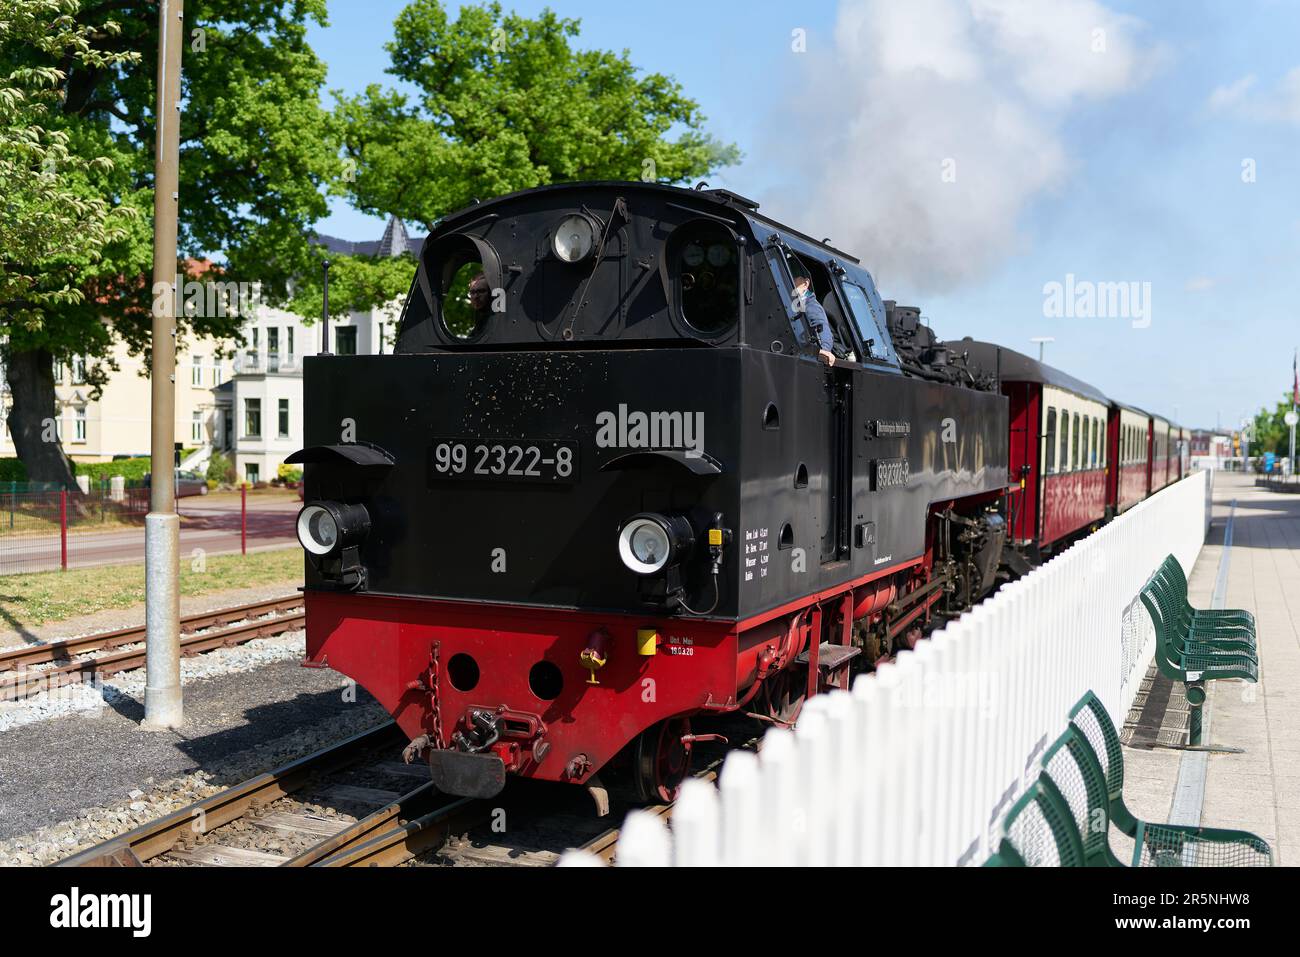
[[921, 136]]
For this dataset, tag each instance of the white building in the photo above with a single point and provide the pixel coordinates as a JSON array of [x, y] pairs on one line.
[[258, 415]]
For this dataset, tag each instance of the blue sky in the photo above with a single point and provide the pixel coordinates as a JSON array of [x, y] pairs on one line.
[[1121, 166]]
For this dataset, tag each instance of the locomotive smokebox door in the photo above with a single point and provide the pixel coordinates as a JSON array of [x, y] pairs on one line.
[[467, 775]]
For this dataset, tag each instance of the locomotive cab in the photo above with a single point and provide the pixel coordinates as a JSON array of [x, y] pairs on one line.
[[605, 484]]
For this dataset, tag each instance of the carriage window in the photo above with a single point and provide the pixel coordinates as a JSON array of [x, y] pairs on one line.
[[466, 298], [1075, 459], [1092, 442], [707, 272], [1050, 465], [1064, 464]]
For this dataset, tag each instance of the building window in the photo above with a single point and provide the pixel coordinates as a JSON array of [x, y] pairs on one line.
[[58, 372], [78, 370], [79, 424], [345, 341], [196, 427], [251, 473], [252, 418], [196, 370], [272, 350], [288, 346], [284, 418]]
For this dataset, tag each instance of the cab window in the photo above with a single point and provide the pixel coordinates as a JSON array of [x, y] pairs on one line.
[[465, 296], [706, 271], [871, 323], [803, 334]]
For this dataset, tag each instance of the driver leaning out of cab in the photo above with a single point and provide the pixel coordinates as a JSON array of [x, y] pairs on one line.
[[806, 302]]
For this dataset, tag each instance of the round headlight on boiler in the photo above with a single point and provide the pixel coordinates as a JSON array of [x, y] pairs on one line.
[[325, 528], [574, 238], [649, 542]]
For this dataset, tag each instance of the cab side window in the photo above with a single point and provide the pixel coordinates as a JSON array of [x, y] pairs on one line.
[[870, 323], [804, 336]]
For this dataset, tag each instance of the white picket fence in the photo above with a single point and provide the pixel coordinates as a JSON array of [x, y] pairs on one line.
[[919, 762]]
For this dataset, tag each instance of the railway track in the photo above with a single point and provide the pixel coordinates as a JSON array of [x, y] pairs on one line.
[[294, 817], [326, 810], [30, 670]]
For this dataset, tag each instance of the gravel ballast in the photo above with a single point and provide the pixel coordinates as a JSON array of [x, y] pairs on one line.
[[74, 776]]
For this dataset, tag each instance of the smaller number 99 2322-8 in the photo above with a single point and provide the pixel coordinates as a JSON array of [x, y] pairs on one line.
[[503, 460]]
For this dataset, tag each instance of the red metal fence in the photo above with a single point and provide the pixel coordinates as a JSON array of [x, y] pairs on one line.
[[40, 531], [52, 530]]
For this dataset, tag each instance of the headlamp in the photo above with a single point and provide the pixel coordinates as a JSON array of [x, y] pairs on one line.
[[574, 238], [325, 528], [649, 542]]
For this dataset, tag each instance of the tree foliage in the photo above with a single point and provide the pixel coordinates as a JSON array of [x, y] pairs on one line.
[[501, 103], [356, 283], [1271, 433], [56, 220], [504, 103], [256, 150]]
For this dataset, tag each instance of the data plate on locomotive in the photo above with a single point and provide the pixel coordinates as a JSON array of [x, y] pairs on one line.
[[547, 461]]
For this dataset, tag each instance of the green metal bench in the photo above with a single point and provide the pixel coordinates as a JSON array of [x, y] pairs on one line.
[[1181, 657], [1038, 831], [1227, 633], [1238, 616], [1086, 765]]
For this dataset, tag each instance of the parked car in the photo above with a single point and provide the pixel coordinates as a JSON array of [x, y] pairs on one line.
[[187, 483]]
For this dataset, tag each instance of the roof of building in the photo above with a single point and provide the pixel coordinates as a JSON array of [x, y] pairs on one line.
[[395, 241]]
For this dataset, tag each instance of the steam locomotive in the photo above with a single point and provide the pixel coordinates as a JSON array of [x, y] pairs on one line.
[[605, 484]]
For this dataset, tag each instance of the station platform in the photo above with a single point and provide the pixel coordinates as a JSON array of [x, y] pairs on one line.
[[1248, 778]]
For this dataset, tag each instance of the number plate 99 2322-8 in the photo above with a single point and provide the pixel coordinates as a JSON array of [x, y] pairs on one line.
[[551, 461]]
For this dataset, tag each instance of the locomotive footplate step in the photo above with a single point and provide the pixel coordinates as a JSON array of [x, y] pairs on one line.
[[830, 657]]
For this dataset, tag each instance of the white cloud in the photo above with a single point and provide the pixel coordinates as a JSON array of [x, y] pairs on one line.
[[1225, 97], [1280, 104], [924, 134]]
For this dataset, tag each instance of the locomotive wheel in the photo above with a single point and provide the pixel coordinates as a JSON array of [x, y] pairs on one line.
[[661, 761], [785, 693]]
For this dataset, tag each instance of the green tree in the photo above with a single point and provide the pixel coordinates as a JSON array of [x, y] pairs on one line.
[[1271, 433], [256, 149], [56, 222], [501, 102]]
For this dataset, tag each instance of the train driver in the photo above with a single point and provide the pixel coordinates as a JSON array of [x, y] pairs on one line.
[[806, 302], [480, 297]]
